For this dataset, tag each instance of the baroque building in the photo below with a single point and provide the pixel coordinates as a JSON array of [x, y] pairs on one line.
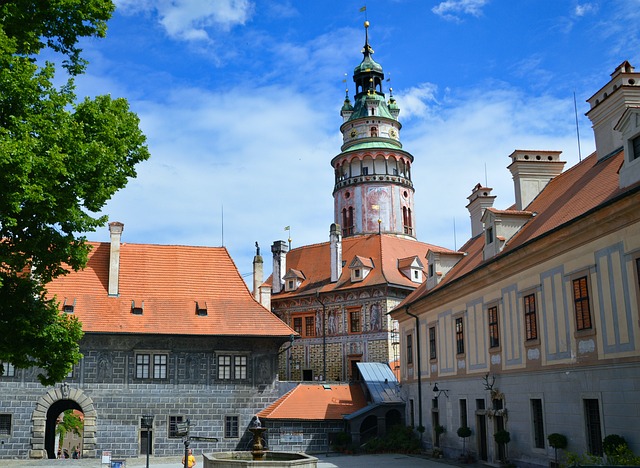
[[533, 326], [336, 294], [169, 331]]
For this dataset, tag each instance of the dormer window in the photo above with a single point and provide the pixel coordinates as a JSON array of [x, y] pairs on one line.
[[293, 279], [137, 309], [360, 268], [431, 270], [489, 233], [412, 268], [68, 307], [635, 148], [201, 309]]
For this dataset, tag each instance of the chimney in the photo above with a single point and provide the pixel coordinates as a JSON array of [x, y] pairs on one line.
[[608, 105], [532, 171], [279, 250], [335, 246], [258, 273], [115, 231], [479, 200]]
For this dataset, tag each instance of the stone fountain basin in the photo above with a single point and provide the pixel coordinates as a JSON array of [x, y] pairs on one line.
[[241, 459]]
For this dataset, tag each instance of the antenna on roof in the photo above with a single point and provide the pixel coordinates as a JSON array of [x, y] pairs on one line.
[[486, 181], [454, 235], [575, 108], [222, 228]]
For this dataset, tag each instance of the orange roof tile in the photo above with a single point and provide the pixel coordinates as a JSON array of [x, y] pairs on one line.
[[317, 402], [169, 280], [382, 250], [566, 197]]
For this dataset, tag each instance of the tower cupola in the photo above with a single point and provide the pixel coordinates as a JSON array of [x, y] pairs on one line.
[[373, 191]]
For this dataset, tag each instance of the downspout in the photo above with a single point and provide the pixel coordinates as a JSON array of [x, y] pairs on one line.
[[419, 372]]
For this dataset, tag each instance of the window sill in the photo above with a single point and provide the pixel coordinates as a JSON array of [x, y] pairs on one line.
[[584, 333]]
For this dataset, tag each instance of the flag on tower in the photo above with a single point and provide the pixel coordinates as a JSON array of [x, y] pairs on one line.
[[364, 8], [287, 228]]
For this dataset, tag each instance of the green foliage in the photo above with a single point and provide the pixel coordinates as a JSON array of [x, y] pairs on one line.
[[557, 441], [60, 162], [463, 432], [623, 456], [611, 442], [399, 439], [439, 429], [576, 459], [341, 441], [70, 423], [502, 437]]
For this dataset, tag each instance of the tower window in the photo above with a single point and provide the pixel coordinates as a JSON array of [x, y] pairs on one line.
[[374, 131]]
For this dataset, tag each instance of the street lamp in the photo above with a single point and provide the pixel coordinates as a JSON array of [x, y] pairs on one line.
[[324, 338], [147, 423]]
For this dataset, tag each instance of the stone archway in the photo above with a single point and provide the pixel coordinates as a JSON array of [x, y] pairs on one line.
[[75, 397]]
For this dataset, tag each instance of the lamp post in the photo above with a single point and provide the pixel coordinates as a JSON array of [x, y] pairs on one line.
[[147, 423], [324, 338]]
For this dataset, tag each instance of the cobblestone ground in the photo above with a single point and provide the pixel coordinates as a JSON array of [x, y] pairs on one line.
[[324, 461]]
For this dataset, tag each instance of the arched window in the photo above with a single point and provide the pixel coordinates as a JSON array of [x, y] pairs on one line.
[[374, 131]]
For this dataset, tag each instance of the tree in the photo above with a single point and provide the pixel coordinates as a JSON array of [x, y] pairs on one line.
[[70, 422], [557, 441], [463, 433], [60, 162]]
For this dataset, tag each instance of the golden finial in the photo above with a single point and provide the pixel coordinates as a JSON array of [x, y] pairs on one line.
[[366, 24]]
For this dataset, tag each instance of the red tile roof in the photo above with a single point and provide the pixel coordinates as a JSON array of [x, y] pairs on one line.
[[381, 251], [568, 196], [169, 280], [317, 402]]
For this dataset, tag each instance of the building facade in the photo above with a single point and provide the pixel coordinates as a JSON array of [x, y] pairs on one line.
[[533, 328], [336, 295], [169, 331]]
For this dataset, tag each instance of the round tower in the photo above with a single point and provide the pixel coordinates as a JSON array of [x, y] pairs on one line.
[[373, 192]]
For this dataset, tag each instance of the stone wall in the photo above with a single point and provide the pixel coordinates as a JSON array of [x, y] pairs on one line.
[[105, 388], [301, 436]]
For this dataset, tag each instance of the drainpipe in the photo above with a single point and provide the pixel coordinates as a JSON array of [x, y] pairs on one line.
[[419, 373]]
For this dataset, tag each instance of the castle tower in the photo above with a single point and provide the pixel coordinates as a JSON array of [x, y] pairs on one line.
[[373, 191]]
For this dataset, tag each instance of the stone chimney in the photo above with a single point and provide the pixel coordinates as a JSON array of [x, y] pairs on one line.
[[258, 273], [479, 200], [115, 231], [608, 105], [532, 171], [279, 250], [335, 246]]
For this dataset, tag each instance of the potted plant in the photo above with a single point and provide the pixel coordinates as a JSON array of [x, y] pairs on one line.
[[557, 441], [464, 432], [502, 438], [610, 445]]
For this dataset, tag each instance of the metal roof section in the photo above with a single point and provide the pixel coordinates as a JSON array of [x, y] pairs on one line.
[[380, 381]]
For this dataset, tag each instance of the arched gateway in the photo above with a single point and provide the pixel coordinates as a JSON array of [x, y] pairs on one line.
[[47, 409]]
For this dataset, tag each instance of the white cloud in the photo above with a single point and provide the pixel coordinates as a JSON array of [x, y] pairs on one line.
[[453, 9], [190, 20], [584, 9], [416, 100]]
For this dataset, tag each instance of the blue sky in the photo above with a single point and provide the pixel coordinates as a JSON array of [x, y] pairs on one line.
[[240, 103]]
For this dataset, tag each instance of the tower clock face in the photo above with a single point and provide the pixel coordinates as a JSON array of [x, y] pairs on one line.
[[353, 133]]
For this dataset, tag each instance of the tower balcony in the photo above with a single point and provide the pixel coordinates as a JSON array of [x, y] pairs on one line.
[[363, 179]]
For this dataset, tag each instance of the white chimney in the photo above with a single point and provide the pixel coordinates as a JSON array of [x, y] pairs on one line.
[[335, 246], [608, 105], [115, 231], [532, 171], [479, 200], [279, 250]]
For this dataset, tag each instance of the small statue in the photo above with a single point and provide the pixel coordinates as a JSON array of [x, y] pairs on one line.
[[256, 422], [257, 249]]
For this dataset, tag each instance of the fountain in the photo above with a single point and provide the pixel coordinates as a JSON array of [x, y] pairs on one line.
[[258, 452], [258, 457]]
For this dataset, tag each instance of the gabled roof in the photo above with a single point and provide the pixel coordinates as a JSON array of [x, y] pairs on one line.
[[294, 274], [317, 402], [567, 197], [380, 381], [359, 261], [384, 250], [169, 280]]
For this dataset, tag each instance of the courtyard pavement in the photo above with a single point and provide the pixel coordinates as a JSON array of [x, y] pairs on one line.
[[324, 461]]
